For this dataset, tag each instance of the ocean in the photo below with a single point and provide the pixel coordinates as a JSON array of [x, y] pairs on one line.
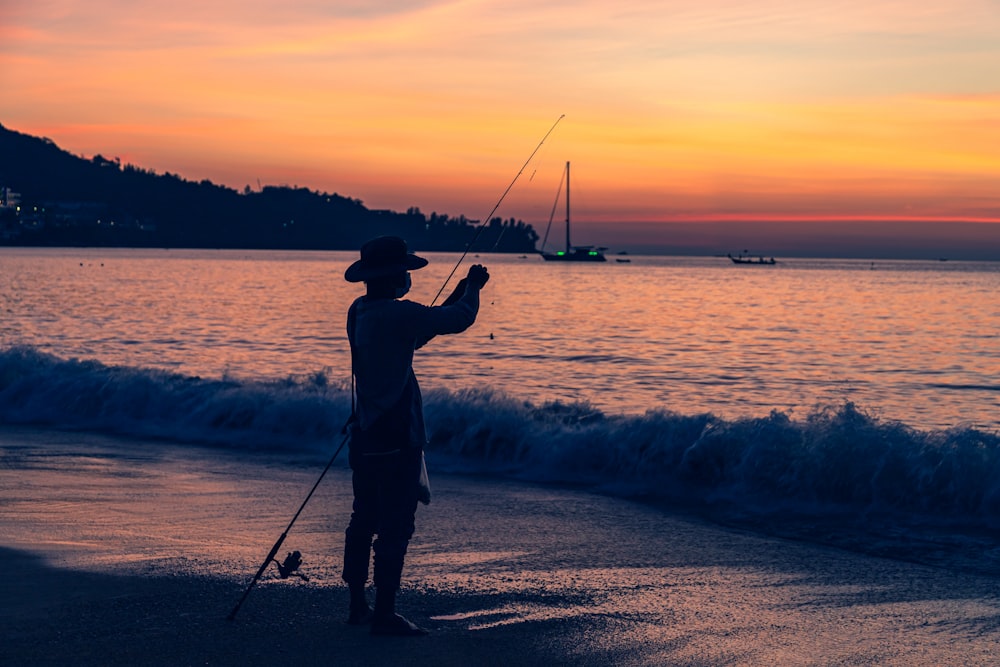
[[819, 389]]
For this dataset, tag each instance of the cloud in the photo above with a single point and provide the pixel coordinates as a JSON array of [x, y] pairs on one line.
[[671, 106]]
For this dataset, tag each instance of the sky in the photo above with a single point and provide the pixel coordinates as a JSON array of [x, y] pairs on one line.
[[716, 110]]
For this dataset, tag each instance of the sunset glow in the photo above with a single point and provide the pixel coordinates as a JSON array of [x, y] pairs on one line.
[[717, 110]]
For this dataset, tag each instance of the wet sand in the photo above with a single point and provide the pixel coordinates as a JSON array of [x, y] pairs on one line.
[[133, 553]]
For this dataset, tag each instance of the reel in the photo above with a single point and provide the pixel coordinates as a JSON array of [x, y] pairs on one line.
[[289, 567]]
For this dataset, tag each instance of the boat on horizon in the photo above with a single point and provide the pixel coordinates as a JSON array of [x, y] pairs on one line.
[[586, 253], [744, 258]]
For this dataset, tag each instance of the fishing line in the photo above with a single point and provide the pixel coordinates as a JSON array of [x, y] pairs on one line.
[[490, 216]]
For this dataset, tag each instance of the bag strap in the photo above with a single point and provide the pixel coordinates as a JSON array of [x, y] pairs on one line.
[[352, 326]]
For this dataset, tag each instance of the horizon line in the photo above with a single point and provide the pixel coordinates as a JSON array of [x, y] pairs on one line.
[[791, 218]]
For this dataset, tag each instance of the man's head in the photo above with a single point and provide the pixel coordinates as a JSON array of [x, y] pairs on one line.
[[394, 286], [385, 267], [382, 258]]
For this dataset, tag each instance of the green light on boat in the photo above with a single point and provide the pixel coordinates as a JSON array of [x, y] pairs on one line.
[[560, 253], [593, 253]]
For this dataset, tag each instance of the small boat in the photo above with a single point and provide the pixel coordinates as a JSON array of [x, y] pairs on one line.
[[747, 259], [572, 253]]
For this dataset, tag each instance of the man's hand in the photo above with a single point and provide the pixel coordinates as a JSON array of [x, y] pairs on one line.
[[478, 276]]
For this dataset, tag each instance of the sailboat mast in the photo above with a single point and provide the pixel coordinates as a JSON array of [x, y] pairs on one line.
[[568, 246]]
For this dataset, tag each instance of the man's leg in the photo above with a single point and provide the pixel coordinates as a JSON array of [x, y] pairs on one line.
[[398, 507], [358, 538]]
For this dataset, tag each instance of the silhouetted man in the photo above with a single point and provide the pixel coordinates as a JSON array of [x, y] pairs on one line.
[[388, 436]]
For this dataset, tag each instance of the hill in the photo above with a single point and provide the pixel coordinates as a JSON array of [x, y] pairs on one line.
[[51, 197]]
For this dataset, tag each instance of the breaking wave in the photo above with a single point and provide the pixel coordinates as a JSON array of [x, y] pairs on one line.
[[41, 389], [839, 457]]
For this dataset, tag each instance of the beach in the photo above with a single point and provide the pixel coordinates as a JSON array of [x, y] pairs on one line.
[[134, 552]]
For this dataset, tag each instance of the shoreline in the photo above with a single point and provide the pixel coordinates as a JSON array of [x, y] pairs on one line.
[[119, 554]]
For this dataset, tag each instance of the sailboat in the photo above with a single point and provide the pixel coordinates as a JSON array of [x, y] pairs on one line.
[[571, 253]]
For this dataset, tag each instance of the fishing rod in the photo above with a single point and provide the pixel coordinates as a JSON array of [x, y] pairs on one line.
[[294, 559], [490, 216]]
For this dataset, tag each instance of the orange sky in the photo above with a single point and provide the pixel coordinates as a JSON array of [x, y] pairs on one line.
[[715, 110]]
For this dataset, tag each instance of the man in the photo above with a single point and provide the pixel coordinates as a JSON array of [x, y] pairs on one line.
[[387, 434]]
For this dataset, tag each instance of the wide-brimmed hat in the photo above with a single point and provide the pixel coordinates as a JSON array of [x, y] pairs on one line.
[[381, 257]]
